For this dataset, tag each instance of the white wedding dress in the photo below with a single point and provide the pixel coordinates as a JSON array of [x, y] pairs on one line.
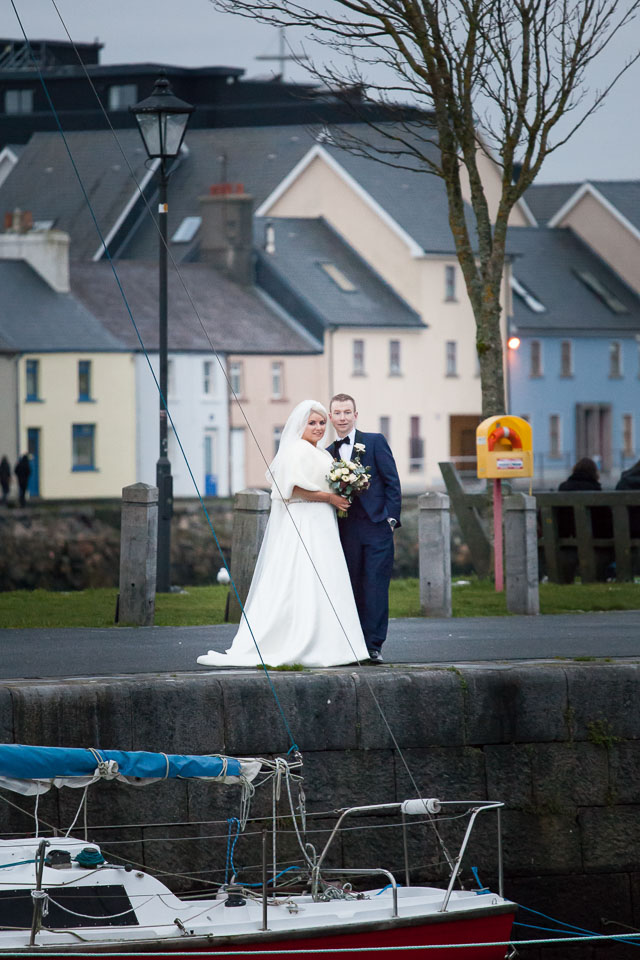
[[300, 608]]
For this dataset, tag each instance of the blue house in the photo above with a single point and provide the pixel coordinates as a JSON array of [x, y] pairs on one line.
[[573, 360]]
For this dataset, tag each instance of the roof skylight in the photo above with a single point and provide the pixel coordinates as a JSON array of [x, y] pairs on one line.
[[526, 296], [337, 276], [603, 293], [187, 230]]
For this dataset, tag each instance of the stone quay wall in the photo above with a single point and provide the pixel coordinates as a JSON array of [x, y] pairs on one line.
[[558, 743]]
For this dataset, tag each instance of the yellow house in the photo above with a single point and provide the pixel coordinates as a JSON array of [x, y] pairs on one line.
[[73, 383], [77, 422]]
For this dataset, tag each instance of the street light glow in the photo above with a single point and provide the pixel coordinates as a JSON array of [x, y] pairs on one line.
[[513, 343]]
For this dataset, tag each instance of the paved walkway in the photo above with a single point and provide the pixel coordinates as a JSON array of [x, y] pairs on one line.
[[125, 651]]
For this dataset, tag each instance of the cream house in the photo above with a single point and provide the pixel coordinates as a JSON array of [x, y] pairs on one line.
[[419, 386], [605, 214]]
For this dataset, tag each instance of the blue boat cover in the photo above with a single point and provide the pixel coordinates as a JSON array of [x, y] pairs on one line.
[[18, 762]]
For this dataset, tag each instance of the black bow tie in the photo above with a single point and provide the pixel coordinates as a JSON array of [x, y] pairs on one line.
[[339, 443]]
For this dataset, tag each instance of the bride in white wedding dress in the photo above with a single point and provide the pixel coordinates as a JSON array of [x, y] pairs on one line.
[[300, 608]]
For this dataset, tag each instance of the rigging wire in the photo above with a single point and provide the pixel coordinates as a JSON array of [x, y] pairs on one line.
[[235, 398]]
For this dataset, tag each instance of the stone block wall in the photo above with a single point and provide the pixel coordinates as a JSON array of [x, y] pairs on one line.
[[558, 743]]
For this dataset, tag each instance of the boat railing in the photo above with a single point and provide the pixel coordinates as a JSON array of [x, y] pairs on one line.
[[425, 807]]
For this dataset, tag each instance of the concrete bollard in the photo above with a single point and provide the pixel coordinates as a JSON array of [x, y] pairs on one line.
[[434, 545], [250, 516], [138, 551], [521, 554]]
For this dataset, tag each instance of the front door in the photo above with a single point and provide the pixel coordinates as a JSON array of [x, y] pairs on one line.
[[33, 449], [237, 459], [210, 460], [462, 442]]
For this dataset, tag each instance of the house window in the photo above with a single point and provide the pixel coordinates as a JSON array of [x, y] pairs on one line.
[[615, 359], [18, 101], [555, 438], [207, 377], [236, 377], [627, 435], [451, 358], [394, 358], [83, 437], [122, 96], [358, 358], [385, 428], [416, 446], [277, 386], [33, 380], [566, 358], [449, 282], [84, 381], [535, 369], [277, 435]]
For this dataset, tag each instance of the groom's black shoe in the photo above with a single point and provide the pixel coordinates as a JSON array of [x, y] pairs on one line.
[[375, 656]]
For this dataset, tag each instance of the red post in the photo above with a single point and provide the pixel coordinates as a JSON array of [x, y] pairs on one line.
[[497, 535]]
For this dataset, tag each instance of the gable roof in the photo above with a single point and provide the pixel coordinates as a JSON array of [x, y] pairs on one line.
[[547, 261], [550, 202], [235, 319], [545, 199], [34, 318], [294, 275], [261, 158]]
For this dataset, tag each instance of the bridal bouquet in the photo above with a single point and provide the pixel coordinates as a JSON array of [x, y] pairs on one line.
[[349, 478]]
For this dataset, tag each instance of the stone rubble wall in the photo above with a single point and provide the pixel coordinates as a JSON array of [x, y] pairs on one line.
[[559, 743]]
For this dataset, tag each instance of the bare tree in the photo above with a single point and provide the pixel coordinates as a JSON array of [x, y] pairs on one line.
[[502, 79]]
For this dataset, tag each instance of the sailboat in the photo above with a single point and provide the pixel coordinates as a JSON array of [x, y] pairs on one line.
[[61, 895]]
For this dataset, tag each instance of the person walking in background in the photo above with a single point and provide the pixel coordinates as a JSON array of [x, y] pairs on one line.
[[367, 531], [5, 478], [22, 471]]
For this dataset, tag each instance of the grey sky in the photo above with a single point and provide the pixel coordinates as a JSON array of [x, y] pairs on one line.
[[194, 33]]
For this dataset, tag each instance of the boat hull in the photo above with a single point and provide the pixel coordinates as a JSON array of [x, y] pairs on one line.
[[492, 927]]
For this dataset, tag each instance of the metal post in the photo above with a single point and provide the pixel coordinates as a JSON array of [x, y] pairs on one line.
[[497, 535], [264, 880], [36, 920], [164, 480]]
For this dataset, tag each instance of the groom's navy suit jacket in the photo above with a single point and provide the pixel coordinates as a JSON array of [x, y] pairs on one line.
[[367, 538], [383, 498]]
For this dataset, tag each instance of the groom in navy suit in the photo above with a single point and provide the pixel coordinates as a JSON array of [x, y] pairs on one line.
[[367, 532]]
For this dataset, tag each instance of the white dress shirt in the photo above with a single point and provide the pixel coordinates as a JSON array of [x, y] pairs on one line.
[[346, 450]]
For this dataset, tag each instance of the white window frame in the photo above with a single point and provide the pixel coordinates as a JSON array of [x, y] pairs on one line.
[[207, 378], [450, 280], [236, 377]]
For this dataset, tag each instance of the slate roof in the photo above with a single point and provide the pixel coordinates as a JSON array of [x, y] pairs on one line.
[[236, 319], [624, 195], [545, 199], [546, 261], [259, 157], [44, 182], [33, 317], [293, 275]]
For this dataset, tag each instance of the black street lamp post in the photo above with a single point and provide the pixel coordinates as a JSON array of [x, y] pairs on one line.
[[162, 119]]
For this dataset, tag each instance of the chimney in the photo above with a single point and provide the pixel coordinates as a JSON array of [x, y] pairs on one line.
[[226, 233], [46, 251]]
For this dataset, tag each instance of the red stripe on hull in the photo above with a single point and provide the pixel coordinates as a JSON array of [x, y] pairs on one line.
[[472, 930]]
